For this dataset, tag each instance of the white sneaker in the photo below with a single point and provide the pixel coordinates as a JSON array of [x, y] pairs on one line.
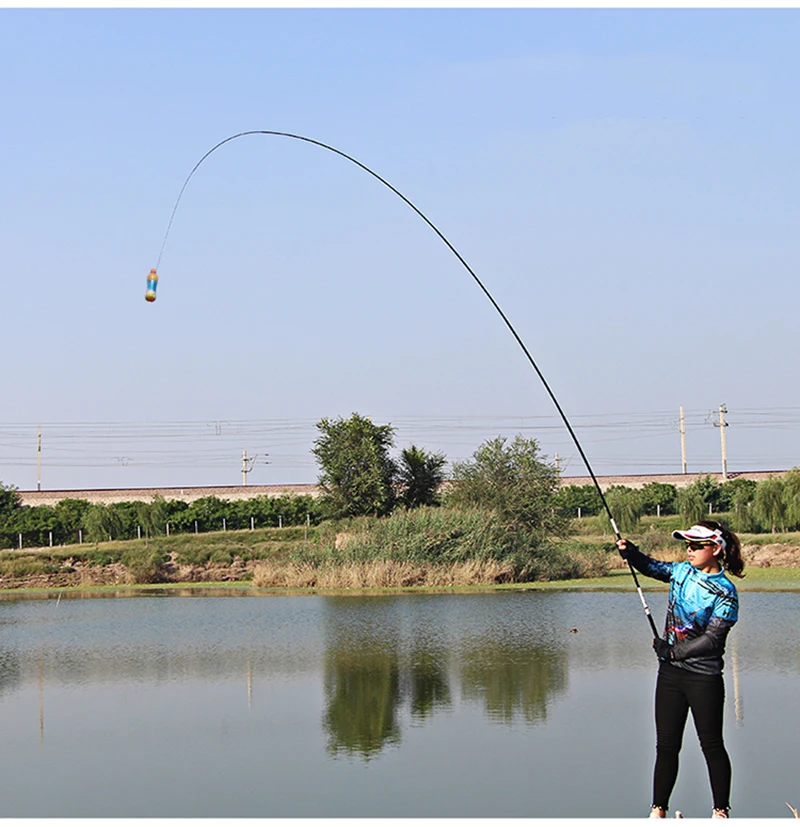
[[657, 812], [719, 814]]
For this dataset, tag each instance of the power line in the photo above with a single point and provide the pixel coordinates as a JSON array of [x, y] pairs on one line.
[[218, 443]]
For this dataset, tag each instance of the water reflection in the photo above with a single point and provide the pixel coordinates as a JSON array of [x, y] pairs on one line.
[[738, 703], [380, 661], [367, 684], [430, 687], [362, 697], [514, 680], [41, 703], [361, 676], [10, 671]]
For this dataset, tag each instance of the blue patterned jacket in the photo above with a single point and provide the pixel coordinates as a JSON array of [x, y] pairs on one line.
[[702, 609]]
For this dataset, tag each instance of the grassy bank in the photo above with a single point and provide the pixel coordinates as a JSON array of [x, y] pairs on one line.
[[422, 549], [224, 556], [428, 547], [598, 528]]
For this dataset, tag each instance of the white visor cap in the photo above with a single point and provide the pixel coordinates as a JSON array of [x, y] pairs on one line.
[[699, 533]]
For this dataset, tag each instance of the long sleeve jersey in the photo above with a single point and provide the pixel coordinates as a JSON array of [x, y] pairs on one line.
[[702, 609]]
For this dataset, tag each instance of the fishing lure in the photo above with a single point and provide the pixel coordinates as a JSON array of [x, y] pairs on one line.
[[152, 286]]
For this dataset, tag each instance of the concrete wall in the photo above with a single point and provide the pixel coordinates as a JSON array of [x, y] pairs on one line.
[[188, 494], [247, 492]]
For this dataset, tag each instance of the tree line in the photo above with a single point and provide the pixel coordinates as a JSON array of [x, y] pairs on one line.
[[771, 505], [72, 520]]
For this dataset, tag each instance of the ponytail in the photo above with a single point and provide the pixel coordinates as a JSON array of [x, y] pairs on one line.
[[731, 555]]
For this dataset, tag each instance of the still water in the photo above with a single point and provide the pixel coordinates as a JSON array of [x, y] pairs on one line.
[[479, 705]]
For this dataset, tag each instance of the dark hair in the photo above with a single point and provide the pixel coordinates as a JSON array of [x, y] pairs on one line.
[[732, 553]]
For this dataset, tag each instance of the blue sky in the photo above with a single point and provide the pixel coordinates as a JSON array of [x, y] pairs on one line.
[[623, 181]]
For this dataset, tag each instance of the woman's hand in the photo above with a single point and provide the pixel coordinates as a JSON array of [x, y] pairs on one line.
[[625, 547], [662, 649]]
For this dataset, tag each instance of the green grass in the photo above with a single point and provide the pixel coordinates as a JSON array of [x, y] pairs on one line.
[[790, 538], [769, 579]]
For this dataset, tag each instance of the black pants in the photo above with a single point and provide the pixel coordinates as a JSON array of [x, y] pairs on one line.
[[678, 691]]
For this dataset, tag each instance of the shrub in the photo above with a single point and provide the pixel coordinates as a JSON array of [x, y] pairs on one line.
[[144, 564], [515, 482]]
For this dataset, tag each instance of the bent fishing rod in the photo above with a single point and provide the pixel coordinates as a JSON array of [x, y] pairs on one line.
[[152, 283]]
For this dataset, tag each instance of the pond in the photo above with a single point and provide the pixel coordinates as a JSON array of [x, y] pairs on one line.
[[420, 705]]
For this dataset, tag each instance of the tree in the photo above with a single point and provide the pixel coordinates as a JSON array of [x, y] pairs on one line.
[[737, 490], [626, 505], [514, 481], [10, 500], [35, 523], [572, 497], [101, 523], [791, 496], [356, 471], [152, 516], [420, 475], [769, 505], [742, 507], [710, 490], [691, 505], [207, 511], [70, 514], [656, 494]]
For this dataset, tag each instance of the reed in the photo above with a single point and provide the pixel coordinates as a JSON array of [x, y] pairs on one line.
[[443, 537], [420, 535], [372, 574]]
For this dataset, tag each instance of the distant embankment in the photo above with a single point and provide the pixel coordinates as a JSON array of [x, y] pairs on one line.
[[247, 492], [187, 494], [678, 480]]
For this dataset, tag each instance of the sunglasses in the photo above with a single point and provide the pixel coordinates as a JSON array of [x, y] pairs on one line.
[[697, 545]]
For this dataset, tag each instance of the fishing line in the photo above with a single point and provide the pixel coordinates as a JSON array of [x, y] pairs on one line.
[[153, 282]]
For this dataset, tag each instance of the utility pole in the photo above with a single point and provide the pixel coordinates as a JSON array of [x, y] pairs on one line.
[[246, 469], [248, 463], [722, 425], [683, 443], [39, 458]]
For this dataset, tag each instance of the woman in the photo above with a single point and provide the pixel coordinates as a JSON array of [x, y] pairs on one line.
[[703, 606]]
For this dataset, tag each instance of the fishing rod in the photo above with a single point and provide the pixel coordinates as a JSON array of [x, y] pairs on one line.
[[152, 284]]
